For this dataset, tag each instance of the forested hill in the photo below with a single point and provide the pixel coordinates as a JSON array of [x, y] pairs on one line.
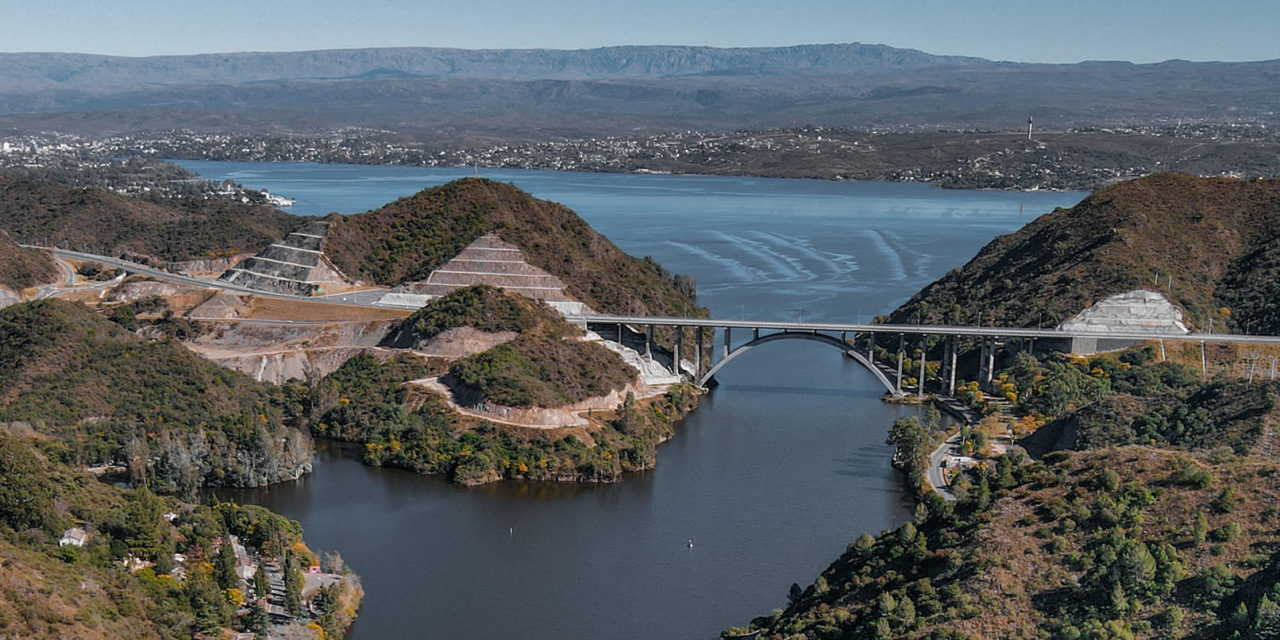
[[54, 591], [177, 420], [406, 239], [35, 212], [1212, 244], [1126, 543], [21, 268]]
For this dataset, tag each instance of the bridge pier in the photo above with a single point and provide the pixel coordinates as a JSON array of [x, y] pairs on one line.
[[982, 362], [724, 352], [755, 333], [945, 368], [920, 384], [991, 360], [697, 363], [951, 370], [987, 363], [902, 342], [648, 342], [675, 356]]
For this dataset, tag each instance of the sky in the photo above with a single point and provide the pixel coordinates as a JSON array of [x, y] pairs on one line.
[[1024, 31]]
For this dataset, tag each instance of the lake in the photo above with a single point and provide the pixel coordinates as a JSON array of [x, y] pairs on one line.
[[781, 466]]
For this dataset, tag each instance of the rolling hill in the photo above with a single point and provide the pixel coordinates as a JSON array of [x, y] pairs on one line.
[[21, 268], [44, 213], [406, 239], [1210, 245], [175, 419]]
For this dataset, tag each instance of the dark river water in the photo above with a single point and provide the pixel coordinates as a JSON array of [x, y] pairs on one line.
[[780, 467]]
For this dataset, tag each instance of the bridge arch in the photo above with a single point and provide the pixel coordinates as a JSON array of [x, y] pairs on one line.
[[823, 338]]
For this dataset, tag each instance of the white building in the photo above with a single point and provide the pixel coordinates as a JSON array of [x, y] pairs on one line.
[[73, 537]]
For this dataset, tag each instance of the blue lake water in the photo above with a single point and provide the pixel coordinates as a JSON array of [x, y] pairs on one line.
[[780, 467]]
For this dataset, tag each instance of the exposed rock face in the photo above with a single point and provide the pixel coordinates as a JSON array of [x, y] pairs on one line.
[[1135, 311], [8, 296], [489, 261], [201, 266], [276, 353], [296, 265], [132, 291]]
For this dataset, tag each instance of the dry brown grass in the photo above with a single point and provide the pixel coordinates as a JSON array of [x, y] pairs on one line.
[[313, 311]]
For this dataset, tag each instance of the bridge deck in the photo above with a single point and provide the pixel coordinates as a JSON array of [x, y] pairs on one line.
[[917, 329]]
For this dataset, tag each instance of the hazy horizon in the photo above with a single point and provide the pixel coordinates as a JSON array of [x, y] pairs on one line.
[[1036, 31], [602, 47]]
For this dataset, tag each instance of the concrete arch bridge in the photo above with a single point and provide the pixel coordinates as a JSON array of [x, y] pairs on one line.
[[858, 342]]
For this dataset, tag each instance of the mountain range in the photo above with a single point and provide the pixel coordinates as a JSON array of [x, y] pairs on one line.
[[538, 93]]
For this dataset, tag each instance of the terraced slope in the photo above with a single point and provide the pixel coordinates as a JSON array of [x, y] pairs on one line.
[[296, 265], [490, 261]]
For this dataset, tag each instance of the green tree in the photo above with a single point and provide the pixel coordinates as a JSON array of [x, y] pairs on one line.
[[1135, 567], [1199, 528], [1226, 501], [1065, 387], [260, 586], [910, 442], [292, 587], [224, 566], [1266, 623], [1024, 374], [211, 609], [24, 491], [905, 612], [256, 621]]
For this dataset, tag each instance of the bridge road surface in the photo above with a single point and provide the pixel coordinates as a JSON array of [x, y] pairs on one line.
[[355, 300]]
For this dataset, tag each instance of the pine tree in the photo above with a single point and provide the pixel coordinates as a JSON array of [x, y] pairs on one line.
[[224, 568], [1266, 624]]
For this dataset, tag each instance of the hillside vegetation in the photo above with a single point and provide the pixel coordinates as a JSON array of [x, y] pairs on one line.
[[1212, 244], [21, 268], [100, 222], [175, 419], [373, 402], [48, 591], [480, 307], [1133, 542], [545, 365], [406, 239], [538, 370], [368, 401]]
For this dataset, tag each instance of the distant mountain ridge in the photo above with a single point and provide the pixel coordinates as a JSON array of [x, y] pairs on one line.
[[513, 94], [44, 70]]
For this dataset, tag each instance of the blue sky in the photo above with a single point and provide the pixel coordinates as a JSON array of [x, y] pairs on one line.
[[1027, 30]]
